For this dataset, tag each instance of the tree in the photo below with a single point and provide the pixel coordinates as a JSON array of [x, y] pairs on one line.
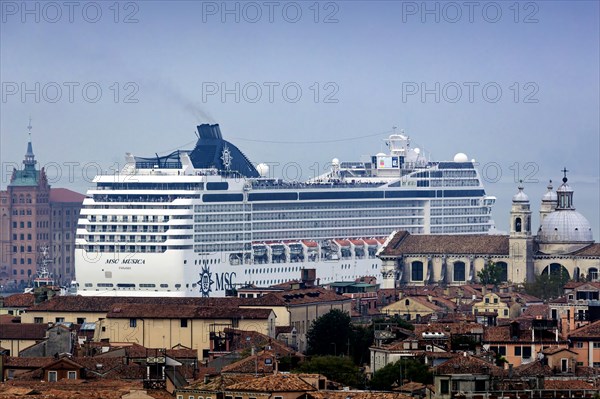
[[547, 285], [360, 341], [329, 334], [336, 368], [490, 274], [404, 369]]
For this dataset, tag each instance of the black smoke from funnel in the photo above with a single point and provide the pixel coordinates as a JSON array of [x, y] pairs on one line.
[[170, 91]]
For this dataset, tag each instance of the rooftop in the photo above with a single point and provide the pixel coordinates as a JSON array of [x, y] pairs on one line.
[[483, 244]]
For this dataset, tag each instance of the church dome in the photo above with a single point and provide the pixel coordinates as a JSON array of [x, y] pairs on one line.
[[565, 226]]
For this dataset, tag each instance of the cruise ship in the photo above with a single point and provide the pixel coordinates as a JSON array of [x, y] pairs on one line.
[[207, 221]]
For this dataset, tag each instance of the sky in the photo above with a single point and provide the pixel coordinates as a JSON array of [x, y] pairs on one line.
[[514, 85]]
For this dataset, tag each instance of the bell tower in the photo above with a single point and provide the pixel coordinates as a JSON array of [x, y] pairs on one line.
[[520, 239]]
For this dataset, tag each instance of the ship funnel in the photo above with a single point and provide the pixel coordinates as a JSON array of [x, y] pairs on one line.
[[207, 131]]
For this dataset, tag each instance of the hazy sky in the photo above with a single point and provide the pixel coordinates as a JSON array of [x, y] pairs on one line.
[[514, 85]]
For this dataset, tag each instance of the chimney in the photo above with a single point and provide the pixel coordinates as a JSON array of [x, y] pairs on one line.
[[510, 370]]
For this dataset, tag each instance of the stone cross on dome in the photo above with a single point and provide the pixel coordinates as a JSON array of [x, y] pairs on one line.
[[565, 172]]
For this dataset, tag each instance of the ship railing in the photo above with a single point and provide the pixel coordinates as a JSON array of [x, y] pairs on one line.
[[334, 185]]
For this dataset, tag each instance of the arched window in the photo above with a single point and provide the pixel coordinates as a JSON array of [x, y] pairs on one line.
[[459, 271], [556, 269], [518, 225], [417, 271]]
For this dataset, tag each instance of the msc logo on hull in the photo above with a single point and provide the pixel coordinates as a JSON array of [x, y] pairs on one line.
[[222, 281]]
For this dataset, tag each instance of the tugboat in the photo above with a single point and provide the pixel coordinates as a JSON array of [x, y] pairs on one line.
[[43, 278]]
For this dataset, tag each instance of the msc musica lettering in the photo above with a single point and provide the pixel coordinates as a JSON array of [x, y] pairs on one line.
[[127, 261]]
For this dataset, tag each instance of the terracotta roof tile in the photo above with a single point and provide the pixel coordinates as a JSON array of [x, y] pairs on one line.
[[150, 311], [8, 318], [533, 369], [273, 383], [537, 311], [483, 244], [27, 362], [28, 331], [468, 365], [242, 340], [104, 304], [19, 301], [567, 385], [590, 250], [297, 297], [356, 395], [589, 331], [261, 363]]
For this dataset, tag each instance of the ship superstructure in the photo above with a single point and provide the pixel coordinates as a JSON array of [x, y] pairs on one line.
[[205, 221]]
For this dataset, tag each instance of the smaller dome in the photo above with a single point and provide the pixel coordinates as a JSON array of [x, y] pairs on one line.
[[550, 196], [565, 226], [461, 157], [520, 196], [336, 162]]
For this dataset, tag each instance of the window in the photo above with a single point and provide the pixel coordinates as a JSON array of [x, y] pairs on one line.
[[38, 320], [480, 386], [80, 320], [501, 350], [179, 396], [459, 271], [596, 345], [517, 351], [526, 352], [184, 323], [487, 300], [52, 376], [417, 271], [444, 387], [72, 375], [505, 312], [455, 386], [564, 365], [133, 323], [495, 300], [59, 319], [579, 345]]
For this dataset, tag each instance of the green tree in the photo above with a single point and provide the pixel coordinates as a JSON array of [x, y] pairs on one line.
[[490, 274], [396, 320], [336, 368], [402, 370], [547, 285], [329, 334], [360, 341]]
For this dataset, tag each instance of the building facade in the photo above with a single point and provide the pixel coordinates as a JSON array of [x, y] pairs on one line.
[[564, 244], [37, 222]]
